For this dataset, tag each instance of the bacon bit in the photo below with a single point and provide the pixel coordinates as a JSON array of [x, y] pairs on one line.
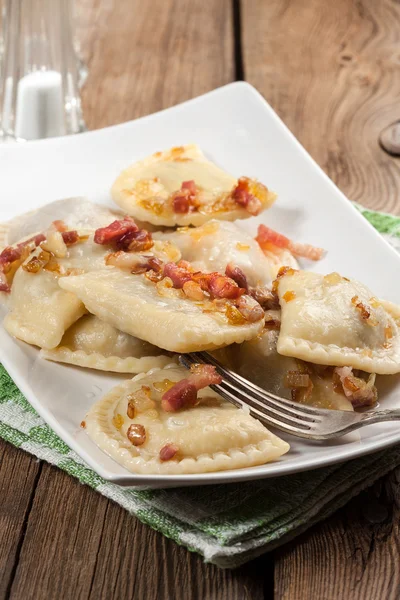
[[153, 276], [136, 264], [118, 421], [83, 424], [193, 291], [135, 241], [115, 231], [177, 274], [181, 395], [4, 285], [168, 452], [184, 200], [281, 273], [357, 390], [184, 393], [266, 298], [237, 275], [289, 295], [250, 309], [70, 237], [243, 196], [242, 247], [204, 375], [268, 238], [136, 434], [131, 410], [295, 379], [220, 286], [60, 225]]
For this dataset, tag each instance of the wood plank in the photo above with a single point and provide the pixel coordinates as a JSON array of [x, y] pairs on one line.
[[89, 547], [355, 554], [145, 56], [330, 70], [18, 474]]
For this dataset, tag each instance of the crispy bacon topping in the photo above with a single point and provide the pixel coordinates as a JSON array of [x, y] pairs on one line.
[[364, 310], [269, 239], [250, 309], [178, 275], [237, 275], [184, 393], [243, 196], [115, 231], [220, 286], [193, 291], [268, 299], [357, 390], [70, 237], [168, 452], [184, 200], [4, 285], [136, 241]]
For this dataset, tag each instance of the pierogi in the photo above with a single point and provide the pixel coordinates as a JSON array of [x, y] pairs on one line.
[[98, 345], [211, 436], [157, 313], [151, 190], [330, 320]]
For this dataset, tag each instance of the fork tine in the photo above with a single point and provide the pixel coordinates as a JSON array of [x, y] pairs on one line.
[[237, 379], [268, 411], [266, 419]]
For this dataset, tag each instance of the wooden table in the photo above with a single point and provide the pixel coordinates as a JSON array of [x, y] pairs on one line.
[[332, 72]]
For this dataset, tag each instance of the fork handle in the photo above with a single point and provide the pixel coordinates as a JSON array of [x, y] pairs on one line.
[[376, 416]]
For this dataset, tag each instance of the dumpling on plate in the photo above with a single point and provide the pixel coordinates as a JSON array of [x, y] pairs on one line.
[[77, 213], [330, 320], [216, 244], [168, 309], [97, 345], [259, 361], [132, 426], [40, 311], [182, 187]]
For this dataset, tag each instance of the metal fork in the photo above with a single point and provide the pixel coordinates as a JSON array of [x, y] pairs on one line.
[[297, 419]]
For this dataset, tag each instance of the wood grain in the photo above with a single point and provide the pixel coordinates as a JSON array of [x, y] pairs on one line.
[[18, 474], [355, 554], [145, 56], [80, 545], [331, 71]]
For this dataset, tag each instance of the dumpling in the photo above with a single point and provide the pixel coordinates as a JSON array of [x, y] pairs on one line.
[[40, 311], [77, 213], [98, 345], [211, 247], [130, 425], [330, 320], [181, 187], [259, 361], [159, 313]]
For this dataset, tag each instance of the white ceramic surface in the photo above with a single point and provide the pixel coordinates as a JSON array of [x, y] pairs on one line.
[[239, 131]]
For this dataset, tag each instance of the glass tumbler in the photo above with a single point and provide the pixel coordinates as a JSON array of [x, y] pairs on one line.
[[40, 72]]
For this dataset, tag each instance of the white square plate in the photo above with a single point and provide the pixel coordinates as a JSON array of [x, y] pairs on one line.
[[237, 129]]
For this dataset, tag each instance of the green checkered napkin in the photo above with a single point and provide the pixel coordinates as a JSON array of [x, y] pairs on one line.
[[227, 524]]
